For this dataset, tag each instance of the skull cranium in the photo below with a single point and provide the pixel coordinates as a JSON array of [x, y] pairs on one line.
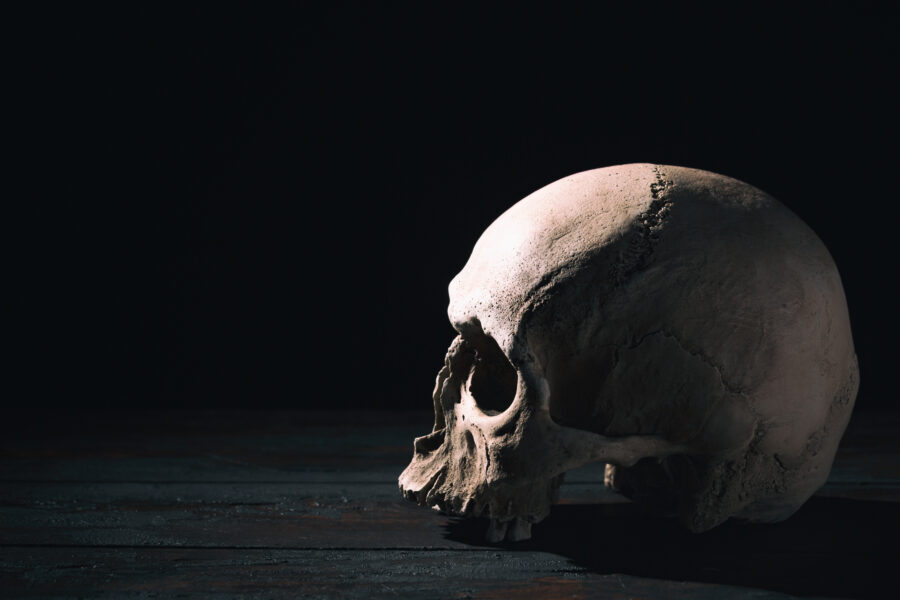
[[681, 326]]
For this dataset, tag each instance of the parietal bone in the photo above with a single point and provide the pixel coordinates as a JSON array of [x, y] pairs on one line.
[[682, 327]]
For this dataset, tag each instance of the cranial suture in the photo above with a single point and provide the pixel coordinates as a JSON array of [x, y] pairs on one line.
[[682, 327]]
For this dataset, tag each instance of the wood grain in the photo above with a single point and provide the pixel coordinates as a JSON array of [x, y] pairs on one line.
[[306, 504]]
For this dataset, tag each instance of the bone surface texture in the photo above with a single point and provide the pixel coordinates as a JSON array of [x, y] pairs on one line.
[[682, 327]]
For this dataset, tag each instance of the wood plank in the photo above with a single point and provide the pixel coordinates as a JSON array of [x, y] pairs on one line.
[[229, 514], [304, 447], [211, 446], [203, 573], [374, 516], [237, 514]]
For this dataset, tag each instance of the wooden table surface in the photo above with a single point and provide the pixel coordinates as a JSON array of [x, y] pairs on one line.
[[306, 505]]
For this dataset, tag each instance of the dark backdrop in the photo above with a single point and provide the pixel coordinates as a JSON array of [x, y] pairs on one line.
[[244, 207]]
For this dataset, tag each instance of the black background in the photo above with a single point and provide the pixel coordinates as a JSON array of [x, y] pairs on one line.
[[261, 208]]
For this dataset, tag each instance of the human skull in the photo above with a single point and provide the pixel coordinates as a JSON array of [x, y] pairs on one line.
[[682, 327]]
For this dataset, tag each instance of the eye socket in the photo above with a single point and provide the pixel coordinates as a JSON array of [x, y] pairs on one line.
[[492, 380]]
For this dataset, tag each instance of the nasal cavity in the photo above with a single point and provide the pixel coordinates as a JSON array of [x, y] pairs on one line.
[[470, 442], [492, 379]]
